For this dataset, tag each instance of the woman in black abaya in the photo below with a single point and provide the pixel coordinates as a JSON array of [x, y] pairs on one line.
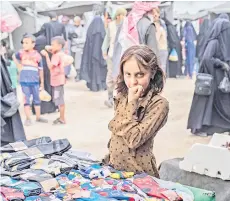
[[174, 67], [201, 38], [46, 107], [211, 114], [93, 66]]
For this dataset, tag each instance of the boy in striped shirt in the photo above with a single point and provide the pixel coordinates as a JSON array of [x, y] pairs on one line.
[[31, 75]]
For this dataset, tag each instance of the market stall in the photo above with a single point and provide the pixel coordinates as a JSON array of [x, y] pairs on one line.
[[170, 171], [204, 166], [42, 169]]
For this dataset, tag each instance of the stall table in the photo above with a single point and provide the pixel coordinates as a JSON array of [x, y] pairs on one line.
[[169, 170]]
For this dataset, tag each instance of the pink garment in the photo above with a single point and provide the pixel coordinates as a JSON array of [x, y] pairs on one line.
[[139, 9], [30, 58], [57, 72], [9, 18]]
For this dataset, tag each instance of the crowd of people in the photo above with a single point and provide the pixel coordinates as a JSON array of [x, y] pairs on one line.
[[130, 54]]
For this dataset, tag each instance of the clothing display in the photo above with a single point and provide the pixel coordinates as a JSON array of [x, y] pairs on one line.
[[11, 127], [46, 170], [170, 171]]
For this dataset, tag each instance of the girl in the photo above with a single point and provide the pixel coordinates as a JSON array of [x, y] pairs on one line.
[[140, 112]]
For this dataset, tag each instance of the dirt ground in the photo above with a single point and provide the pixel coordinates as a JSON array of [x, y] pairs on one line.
[[88, 118]]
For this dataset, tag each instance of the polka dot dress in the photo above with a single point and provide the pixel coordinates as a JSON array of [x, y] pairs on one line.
[[133, 130]]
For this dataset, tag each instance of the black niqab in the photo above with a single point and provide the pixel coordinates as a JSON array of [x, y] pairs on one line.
[[190, 31], [221, 32], [93, 66], [224, 16], [202, 37]]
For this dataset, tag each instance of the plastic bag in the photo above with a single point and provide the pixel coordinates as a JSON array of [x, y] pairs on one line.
[[44, 96], [173, 55], [225, 84], [10, 19]]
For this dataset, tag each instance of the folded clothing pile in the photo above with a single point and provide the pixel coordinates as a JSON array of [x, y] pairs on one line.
[[46, 170]]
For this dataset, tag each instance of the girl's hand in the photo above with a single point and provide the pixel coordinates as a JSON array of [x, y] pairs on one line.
[[135, 93]]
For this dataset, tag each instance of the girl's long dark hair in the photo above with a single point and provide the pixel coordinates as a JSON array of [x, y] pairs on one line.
[[146, 58]]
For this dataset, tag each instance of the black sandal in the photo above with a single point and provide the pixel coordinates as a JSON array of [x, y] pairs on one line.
[[58, 121]]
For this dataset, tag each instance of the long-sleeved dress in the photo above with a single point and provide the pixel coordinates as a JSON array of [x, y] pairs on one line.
[[133, 130]]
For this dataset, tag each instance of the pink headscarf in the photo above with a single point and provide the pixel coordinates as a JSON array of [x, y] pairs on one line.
[[139, 9]]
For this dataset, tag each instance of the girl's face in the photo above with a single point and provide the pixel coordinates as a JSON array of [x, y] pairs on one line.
[[135, 75]]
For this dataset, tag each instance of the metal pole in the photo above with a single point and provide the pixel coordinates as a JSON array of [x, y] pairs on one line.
[[35, 15], [11, 41]]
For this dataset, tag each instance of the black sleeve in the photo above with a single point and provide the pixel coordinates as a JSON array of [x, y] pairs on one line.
[[42, 31]]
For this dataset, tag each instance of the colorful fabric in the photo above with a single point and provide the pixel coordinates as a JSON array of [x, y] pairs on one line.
[[148, 185], [29, 188], [95, 197], [121, 174], [9, 182], [63, 180], [94, 182], [173, 55], [74, 174], [200, 194], [43, 197], [61, 194], [95, 171], [117, 194], [182, 191], [12, 194]]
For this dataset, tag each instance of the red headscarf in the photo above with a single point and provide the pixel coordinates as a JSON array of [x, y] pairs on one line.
[[139, 9]]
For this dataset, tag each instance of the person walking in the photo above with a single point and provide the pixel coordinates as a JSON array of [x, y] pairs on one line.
[[189, 41], [93, 66], [210, 113], [107, 50], [162, 39], [77, 38]]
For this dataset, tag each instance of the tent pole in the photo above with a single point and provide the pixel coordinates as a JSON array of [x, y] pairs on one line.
[[35, 15]]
